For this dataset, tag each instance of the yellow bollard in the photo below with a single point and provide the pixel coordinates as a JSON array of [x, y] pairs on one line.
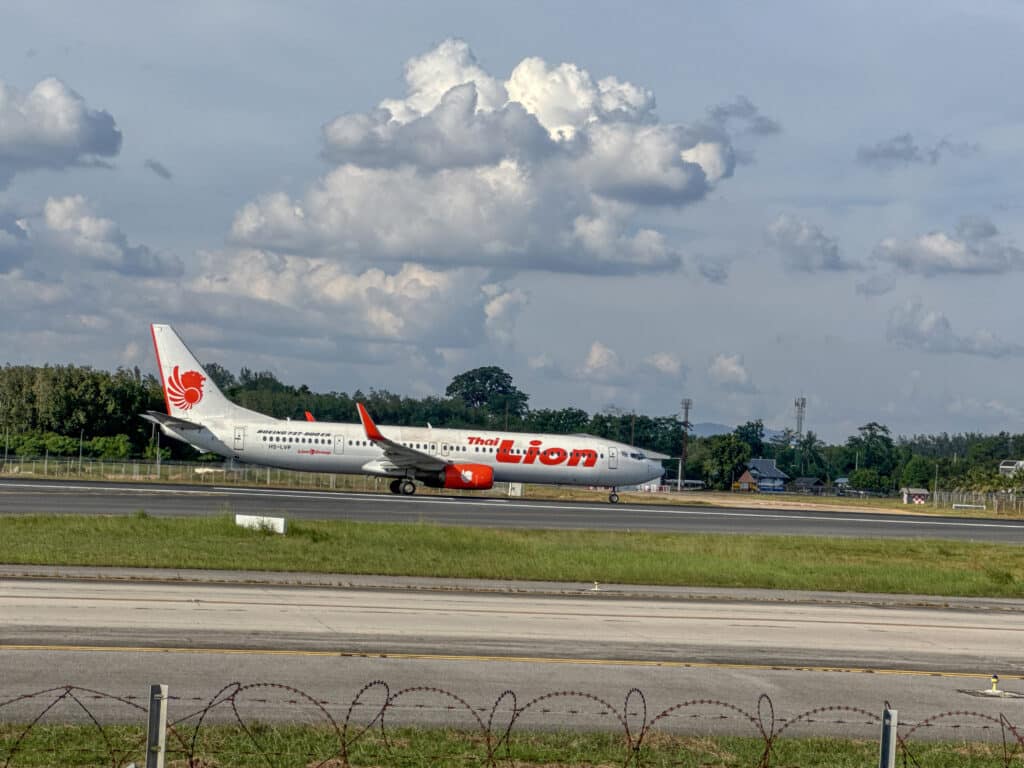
[[995, 683]]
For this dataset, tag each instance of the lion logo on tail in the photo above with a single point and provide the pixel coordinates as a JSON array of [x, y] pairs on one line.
[[185, 389]]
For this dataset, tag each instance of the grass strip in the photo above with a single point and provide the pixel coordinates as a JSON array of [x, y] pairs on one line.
[[424, 549], [304, 745]]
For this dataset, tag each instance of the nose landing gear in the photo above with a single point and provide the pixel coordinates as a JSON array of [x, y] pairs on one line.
[[613, 497]]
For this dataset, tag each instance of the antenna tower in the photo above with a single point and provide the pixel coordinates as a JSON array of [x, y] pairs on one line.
[[801, 409], [680, 480]]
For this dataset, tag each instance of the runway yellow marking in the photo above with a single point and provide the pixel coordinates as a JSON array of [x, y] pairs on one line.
[[487, 658]]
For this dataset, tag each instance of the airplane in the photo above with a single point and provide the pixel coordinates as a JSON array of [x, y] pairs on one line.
[[473, 459]]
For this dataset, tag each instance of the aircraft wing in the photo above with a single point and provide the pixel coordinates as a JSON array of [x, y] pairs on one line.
[[400, 455], [655, 455], [170, 421]]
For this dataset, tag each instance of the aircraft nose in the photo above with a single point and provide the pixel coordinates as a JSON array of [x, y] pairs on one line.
[[657, 470]]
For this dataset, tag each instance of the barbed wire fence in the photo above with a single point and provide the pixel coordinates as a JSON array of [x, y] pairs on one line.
[[226, 729]]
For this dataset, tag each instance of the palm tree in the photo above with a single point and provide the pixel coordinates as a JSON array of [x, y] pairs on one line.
[[812, 454]]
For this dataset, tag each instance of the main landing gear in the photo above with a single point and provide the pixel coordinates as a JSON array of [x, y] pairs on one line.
[[405, 487], [613, 497]]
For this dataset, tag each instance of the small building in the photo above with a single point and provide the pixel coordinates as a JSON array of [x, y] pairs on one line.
[[769, 478], [915, 495], [808, 485], [747, 483], [1010, 467]]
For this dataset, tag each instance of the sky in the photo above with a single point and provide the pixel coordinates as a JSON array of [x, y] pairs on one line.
[[620, 204]]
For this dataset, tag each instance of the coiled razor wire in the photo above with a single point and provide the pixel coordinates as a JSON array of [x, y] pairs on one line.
[[494, 732]]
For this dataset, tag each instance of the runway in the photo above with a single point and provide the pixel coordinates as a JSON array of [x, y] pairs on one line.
[[84, 498], [330, 638], [328, 642]]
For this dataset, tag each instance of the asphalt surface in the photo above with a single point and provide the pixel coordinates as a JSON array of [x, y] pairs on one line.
[[85, 498], [327, 642], [327, 636]]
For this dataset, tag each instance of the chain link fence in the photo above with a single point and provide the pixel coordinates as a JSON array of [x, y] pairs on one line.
[[200, 473]]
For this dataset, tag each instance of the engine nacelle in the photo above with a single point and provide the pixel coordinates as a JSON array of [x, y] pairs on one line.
[[466, 477]]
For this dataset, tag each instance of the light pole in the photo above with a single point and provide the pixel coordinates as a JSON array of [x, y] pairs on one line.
[[681, 479]]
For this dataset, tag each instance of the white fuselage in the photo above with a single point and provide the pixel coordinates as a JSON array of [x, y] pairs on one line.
[[516, 457]]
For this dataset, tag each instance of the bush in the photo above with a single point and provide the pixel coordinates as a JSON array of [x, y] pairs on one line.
[[117, 447], [869, 480]]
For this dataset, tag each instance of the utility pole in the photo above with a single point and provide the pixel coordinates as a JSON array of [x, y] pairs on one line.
[[81, 439], [801, 408], [632, 429], [680, 480]]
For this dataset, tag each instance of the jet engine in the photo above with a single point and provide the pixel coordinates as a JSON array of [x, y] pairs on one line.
[[465, 477]]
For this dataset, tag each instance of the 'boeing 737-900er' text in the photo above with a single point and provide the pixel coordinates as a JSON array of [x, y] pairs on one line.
[[199, 414]]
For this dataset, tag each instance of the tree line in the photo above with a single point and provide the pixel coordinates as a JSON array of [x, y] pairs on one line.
[[61, 410]]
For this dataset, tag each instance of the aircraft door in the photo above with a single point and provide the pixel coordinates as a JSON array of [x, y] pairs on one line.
[[444, 449], [239, 438], [339, 443], [613, 458], [433, 449]]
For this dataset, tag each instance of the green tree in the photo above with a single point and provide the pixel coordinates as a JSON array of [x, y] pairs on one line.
[[60, 445], [564, 421], [116, 447], [489, 387], [726, 457], [811, 455], [918, 472], [868, 479], [873, 448], [221, 376], [752, 433], [782, 448]]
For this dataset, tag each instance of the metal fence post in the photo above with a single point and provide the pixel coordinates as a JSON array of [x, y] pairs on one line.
[[156, 737], [887, 752]]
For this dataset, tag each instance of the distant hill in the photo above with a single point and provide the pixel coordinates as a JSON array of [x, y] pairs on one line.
[[709, 428]]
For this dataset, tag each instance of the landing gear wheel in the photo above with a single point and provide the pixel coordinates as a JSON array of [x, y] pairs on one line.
[[408, 487], [613, 497], [395, 486]]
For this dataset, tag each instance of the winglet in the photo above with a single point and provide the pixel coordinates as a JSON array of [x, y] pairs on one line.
[[309, 416], [372, 433]]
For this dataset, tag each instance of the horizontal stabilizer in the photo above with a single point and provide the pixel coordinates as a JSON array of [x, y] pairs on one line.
[[171, 422]]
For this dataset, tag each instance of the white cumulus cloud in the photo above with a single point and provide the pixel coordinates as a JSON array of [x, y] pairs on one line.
[[547, 169], [413, 305], [974, 249], [728, 372], [602, 362], [665, 363], [15, 246], [916, 327], [71, 223], [51, 126], [501, 311], [804, 246]]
